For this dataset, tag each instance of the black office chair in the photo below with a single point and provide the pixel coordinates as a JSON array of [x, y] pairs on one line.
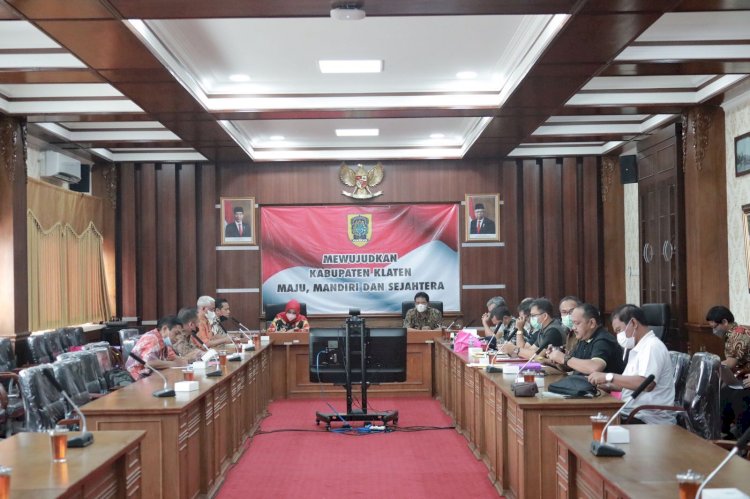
[[408, 305], [657, 317], [700, 400], [91, 372], [69, 373], [44, 404], [55, 342], [274, 309], [39, 351], [681, 365], [13, 403], [7, 357]]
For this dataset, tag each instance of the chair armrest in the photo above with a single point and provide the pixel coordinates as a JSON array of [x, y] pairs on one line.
[[671, 408]]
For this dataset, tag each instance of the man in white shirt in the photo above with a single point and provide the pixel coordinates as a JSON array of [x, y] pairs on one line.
[[648, 355]]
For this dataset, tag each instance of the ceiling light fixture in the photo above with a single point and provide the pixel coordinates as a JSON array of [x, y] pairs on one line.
[[276, 137], [239, 78], [466, 75], [357, 132], [351, 66], [347, 11]]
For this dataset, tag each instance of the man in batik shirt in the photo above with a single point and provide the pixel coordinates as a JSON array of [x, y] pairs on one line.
[[155, 348], [423, 317], [735, 404]]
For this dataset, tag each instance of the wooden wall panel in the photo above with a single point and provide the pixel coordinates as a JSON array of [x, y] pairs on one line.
[[127, 243], [147, 239], [572, 260], [613, 234], [591, 235], [207, 236], [166, 232], [533, 284], [549, 223], [511, 216], [552, 229], [187, 251]]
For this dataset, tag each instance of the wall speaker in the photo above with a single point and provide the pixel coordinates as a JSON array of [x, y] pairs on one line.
[[628, 169]]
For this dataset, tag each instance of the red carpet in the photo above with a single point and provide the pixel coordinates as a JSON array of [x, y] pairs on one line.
[[429, 464]]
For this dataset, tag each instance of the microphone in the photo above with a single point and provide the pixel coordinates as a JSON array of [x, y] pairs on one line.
[[243, 329], [235, 357], [605, 450], [210, 354], [741, 443], [166, 391], [86, 438]]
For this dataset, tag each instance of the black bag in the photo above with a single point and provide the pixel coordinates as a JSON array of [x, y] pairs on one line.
[[117, 378], [574, 386], [522, 389]]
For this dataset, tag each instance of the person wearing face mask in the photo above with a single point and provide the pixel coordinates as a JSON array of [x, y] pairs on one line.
[[155, 348], [290, 320], [547, 330], [206, 319], [735, 404], [566, 307], [499, 327], [182, 344], [597, 350], [423, 317], [648, 355]]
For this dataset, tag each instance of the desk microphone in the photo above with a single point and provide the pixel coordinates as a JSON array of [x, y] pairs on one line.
[[86, 438], [741, 443], [243, 329], [166, 391], [606, 450], [210, 354]]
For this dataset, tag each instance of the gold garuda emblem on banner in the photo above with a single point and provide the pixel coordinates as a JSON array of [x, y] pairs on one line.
[[361, 180], [359, 228]]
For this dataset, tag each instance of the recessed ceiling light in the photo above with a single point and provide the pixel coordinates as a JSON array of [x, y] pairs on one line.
[[239, 78], [276, 137], [351, 66], [357, 132], [466, 75], [348, 11], [437, 136]]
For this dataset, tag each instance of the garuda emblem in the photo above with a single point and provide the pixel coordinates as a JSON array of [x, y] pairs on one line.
[[361, 180]]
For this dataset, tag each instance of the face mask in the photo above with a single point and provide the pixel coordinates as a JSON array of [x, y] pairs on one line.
[[718, 332], [168, 341], [291, 316], [534, 323], [567, 321], [421, 307], [626, 342]]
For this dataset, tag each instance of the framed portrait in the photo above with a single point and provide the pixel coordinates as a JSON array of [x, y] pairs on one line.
[[482, 217], [742, 155], [746, 234], [237, 221]]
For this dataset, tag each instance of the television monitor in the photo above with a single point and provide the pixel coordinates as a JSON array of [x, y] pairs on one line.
[[385, 360]]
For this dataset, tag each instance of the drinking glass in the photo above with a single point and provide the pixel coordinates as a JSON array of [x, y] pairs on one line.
[[59, 443]]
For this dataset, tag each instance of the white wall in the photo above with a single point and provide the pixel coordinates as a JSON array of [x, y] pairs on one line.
[[737, 118]]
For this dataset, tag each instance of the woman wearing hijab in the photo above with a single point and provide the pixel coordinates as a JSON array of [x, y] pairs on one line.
[[290, 320]]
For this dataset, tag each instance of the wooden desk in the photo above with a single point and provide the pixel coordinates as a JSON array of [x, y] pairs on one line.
[[291, 369], [194, 437], [654, 456], [510, 434], [110, 467]]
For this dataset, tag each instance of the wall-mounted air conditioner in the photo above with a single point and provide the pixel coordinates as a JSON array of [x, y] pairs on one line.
[[61, 167]]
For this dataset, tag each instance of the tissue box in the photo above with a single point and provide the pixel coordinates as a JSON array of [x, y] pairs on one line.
[[186, 386], [265, 340], [618, 435], [199, 365]]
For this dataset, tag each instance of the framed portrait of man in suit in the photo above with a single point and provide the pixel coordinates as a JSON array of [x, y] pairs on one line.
[[237, 221], [482, 221]]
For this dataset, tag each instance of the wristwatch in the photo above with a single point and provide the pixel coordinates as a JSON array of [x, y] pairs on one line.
[[609, 377]]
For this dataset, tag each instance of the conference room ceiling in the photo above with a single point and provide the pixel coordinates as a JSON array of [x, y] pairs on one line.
[[137, 80]]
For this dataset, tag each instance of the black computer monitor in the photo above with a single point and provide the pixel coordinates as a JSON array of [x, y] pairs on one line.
[[385, 358]]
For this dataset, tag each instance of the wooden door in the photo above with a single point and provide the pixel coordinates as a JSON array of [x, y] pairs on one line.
[[661, 217]]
